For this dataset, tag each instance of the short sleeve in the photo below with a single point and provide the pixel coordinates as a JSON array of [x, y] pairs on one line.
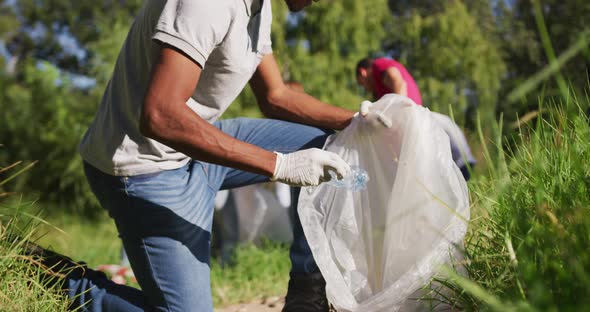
[[195, 27], [265, 44]]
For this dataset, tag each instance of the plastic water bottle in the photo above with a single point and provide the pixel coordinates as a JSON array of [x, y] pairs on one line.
[[356, 180]]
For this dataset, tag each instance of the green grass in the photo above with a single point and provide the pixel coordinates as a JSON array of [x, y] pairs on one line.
[[530, 235], [21, 288], [260, 271], [93, 240], [21, 285], [527, 246]]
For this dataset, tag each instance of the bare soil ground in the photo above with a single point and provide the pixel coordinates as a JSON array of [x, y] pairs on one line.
[[270, 304]]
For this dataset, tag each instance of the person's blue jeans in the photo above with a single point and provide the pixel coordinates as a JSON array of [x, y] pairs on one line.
[[164, 220]]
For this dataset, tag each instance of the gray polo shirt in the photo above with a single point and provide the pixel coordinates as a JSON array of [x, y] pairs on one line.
[[226, 37]]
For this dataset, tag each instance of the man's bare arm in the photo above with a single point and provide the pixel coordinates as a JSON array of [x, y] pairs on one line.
[[278, 101], [392, 79], [167, 119]]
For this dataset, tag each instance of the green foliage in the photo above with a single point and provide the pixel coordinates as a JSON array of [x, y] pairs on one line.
[[44, 121], [44, 114], [564, 21], [77, 237], [450, 56], [84, 21], [328, 42], [259, 272], [21, 285], [8, 22], [528, 243], [533, 34], [321, 50], [21, 288]]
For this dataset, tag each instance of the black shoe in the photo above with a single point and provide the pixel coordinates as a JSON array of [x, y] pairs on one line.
[[54, 267], [306, 293]]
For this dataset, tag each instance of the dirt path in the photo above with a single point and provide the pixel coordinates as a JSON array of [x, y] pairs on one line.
[[271, 304]]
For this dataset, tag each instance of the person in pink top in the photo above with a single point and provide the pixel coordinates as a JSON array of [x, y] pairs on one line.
[[383, 75]]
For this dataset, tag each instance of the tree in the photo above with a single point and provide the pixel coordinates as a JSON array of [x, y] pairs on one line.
[[456, 64], [322, 48], [527, 50], [60, 31], [44, 113]]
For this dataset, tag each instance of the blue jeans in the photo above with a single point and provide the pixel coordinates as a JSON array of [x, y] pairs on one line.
[[164, 220]]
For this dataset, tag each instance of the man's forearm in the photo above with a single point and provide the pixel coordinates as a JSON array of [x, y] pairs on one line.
[[183, 130], [401, 88], [302, 108], [278, 101]]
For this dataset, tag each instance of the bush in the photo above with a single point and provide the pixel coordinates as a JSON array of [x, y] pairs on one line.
[[44, 119]]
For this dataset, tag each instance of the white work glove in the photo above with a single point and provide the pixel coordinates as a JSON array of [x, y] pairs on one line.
[[371, 121], [308, 167]]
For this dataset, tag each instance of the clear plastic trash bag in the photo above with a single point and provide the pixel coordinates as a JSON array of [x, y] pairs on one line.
[[376, 247]]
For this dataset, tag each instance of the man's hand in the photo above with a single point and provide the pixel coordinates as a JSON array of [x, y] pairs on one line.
[[308, 167], [371, 121]]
